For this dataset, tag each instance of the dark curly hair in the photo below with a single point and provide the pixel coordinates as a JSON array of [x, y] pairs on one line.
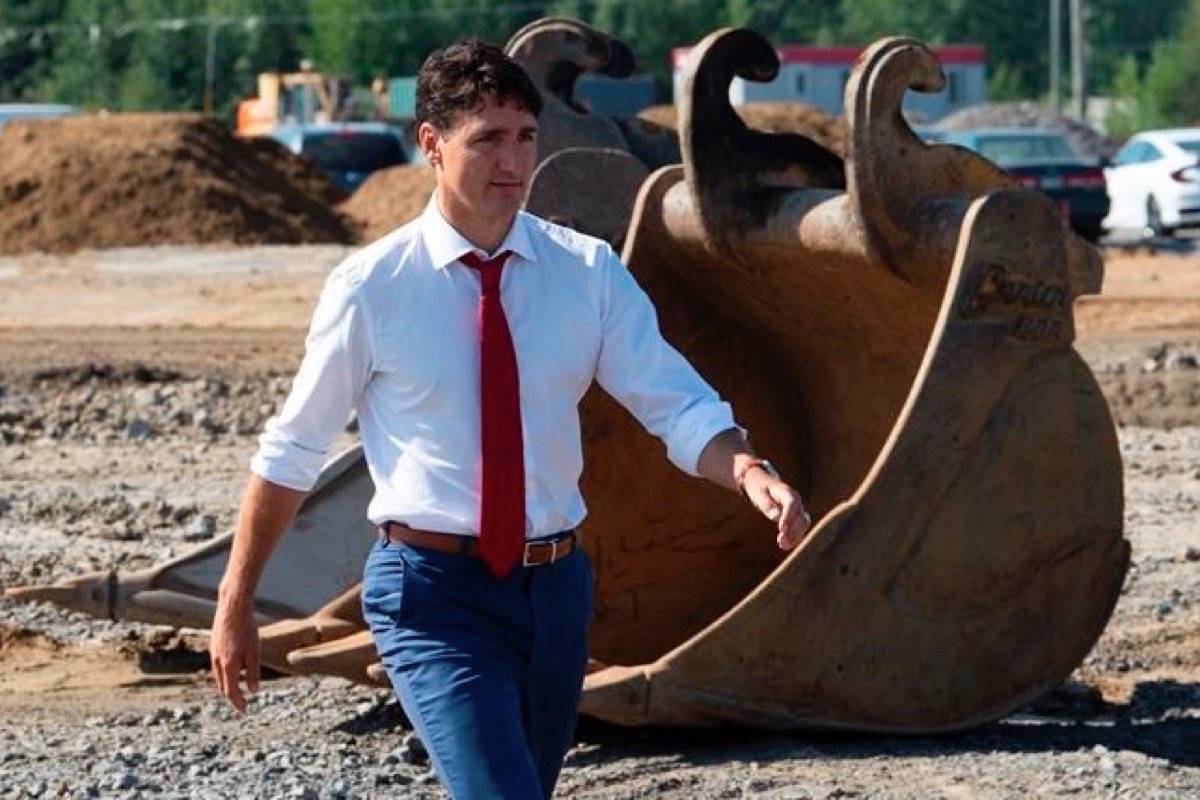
[[462, 76]]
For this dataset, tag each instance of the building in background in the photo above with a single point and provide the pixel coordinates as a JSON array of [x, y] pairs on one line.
[[817, 76]]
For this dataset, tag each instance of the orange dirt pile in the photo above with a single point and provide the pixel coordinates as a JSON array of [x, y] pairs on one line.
[[775, 118], [146, 179], [388, 199]]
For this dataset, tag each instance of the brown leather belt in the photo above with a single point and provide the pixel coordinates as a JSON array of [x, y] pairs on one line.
[[538, 551]]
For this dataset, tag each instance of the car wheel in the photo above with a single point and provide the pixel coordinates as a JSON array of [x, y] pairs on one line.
[[1154, 223]]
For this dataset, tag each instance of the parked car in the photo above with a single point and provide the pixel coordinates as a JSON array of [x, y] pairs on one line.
[[11, 111], [1043, 159], [1155, 182], [347, 151]]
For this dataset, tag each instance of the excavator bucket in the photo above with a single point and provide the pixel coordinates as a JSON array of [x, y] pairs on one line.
[[895, 331], [903, 350]]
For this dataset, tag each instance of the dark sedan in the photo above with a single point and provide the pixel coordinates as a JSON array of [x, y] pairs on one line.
[[1043, 159], [347, 151]]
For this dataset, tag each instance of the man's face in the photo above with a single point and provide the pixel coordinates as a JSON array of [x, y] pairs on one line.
[[484, 161]]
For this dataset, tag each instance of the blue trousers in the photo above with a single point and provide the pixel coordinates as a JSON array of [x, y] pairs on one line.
[[488, 671]]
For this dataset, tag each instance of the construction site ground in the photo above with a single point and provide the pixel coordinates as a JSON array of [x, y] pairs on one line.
[[132, 386]]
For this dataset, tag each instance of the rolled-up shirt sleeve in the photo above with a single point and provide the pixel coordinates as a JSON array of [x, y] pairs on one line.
[[327, 386], [652, 379]]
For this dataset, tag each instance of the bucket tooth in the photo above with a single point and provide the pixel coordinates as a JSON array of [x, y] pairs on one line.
[[338, 619], [348, 657], [92, 593], [279, 639]]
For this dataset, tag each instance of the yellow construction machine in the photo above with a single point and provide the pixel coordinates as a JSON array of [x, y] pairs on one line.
[[292, 97]]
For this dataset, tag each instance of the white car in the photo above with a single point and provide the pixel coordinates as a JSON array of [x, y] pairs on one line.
[[1154, 182]]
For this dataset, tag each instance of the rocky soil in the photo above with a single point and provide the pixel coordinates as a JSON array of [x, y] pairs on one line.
[[120, 447]]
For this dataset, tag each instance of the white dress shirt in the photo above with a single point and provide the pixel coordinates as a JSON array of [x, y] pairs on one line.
[[395, 336]]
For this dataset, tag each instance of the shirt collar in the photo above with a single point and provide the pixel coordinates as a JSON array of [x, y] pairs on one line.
[[446, 245]]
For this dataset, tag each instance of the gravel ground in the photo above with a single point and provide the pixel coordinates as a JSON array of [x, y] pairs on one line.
[[116, 463]]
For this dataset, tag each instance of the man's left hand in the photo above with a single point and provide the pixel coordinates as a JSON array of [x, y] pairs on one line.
[[781, 504]]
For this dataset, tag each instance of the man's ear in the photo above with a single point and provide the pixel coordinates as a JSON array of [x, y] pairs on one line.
[[427, 140]]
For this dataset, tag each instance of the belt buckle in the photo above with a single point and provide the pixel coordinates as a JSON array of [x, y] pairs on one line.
[[525, 562]]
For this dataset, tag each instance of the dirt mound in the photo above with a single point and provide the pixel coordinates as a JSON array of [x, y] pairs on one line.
[[1025, 114], [801, 118], [147, 179], [388, 199]]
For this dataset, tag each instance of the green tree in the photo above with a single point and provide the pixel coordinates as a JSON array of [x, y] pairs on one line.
[[90, 54], [361, 40], [1172, 82], [1012, 31], [410, 38], [653, 30], [126, 53], [150, 54], [784, 21], [335, 39], [806, 21], [1015, 33], [27, 52], [165, 68], [1004, 84], [1129, 112], [258, 36], [930, 20], [1120, 29], [494, 22], [1168, 91]]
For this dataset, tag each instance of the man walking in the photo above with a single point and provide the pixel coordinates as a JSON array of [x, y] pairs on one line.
[[465, 340]]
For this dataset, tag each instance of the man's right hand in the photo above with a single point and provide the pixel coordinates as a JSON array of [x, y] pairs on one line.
[[234, 648], [266, 511]]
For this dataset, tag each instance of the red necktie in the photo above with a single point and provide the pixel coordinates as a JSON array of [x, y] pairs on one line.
[[502, 501]]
